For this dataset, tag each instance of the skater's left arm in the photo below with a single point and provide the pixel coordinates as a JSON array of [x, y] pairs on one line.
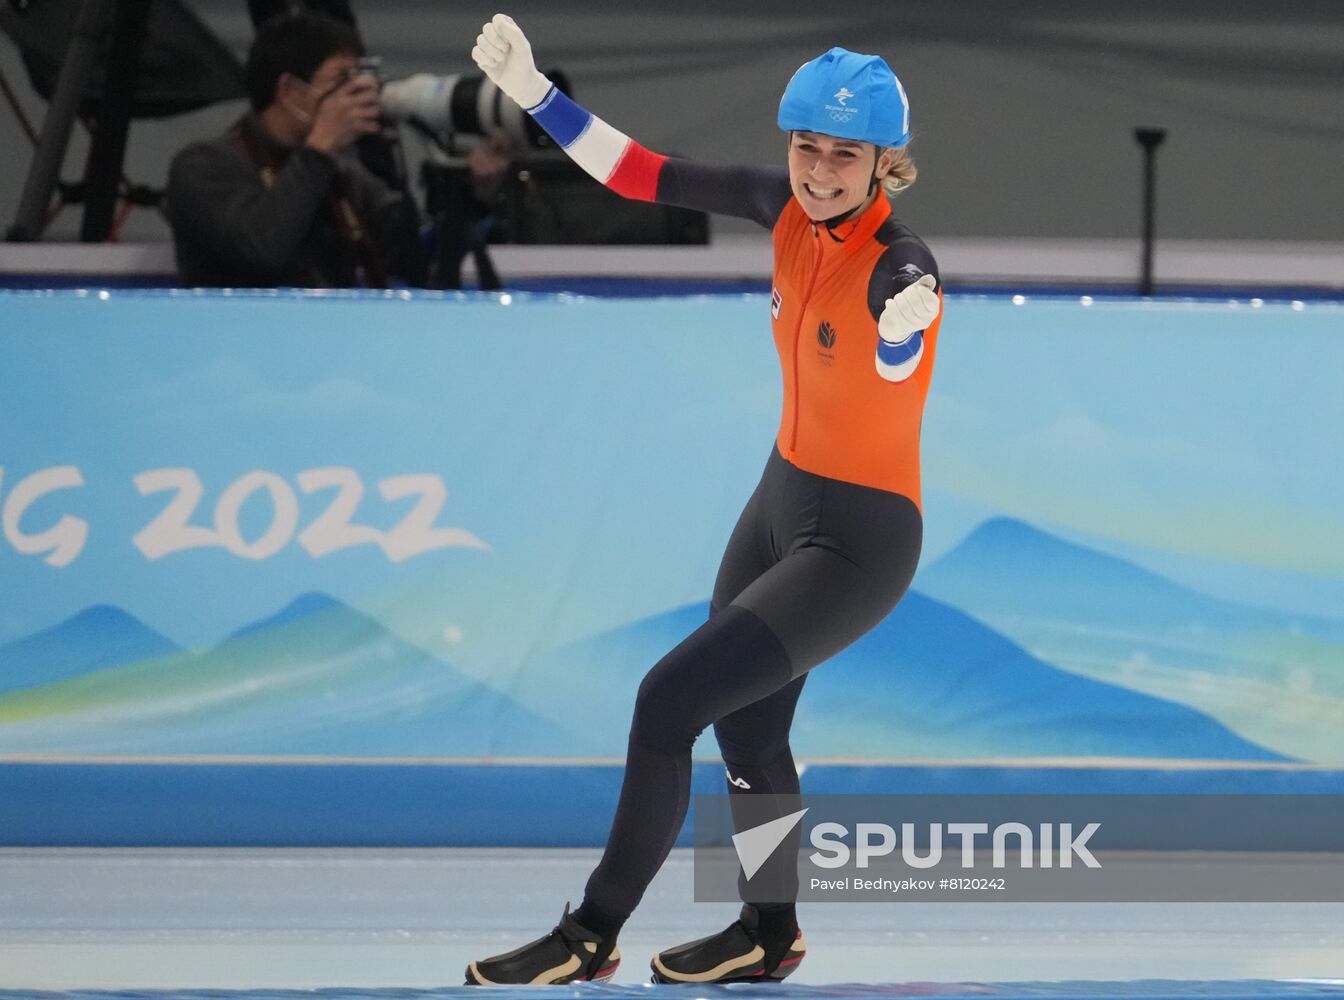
[[905, 298]]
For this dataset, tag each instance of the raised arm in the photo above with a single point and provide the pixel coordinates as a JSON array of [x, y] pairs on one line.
[[758, 193]]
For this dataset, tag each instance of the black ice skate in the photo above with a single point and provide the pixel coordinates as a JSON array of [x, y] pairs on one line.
[[733, 955], [568, 954]]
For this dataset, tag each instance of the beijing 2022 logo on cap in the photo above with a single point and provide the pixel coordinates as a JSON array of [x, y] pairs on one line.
[[842, 112]]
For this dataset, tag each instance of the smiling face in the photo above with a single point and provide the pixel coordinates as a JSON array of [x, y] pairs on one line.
[[832, 176]]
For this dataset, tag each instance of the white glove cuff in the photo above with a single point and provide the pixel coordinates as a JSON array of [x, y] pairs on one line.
[[531, 92]]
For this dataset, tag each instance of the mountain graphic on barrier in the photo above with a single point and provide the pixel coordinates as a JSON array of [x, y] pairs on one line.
[[1009, 567], [1275, 677], [929, 682], [1028, 646], [96, 638], [317, 678]]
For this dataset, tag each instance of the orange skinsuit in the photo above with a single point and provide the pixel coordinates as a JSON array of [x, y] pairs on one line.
[[841, 419]]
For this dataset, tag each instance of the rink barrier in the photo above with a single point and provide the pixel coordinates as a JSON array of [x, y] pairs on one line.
[[220, 802]]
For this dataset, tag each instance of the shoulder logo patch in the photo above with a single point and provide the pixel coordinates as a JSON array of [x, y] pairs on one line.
[[776, 301]]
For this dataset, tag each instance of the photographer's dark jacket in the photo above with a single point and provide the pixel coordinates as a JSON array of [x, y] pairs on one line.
[[247, 211]]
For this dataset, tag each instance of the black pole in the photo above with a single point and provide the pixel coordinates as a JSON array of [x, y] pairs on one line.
[[102, 175], [1149, 139], [81, 56]]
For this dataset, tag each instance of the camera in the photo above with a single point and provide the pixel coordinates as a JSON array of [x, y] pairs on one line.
[[464, 104], [369, 66]]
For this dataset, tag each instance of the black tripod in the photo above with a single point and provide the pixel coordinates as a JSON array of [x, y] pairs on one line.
[[100, 77]]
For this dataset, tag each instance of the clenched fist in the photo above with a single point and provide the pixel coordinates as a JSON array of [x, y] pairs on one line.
[[504, 55], [911, 309]]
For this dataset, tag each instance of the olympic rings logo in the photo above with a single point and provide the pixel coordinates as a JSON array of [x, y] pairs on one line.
[[837, 116]]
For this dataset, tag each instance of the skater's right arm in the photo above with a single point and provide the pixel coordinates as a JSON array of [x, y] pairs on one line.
[[613, 158]]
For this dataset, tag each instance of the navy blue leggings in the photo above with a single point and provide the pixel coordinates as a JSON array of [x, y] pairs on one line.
[[812, 565]]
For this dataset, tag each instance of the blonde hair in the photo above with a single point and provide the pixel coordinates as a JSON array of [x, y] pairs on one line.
[[902, 172]]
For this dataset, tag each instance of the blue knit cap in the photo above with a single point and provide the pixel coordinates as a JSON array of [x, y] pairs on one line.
[[847, 95]]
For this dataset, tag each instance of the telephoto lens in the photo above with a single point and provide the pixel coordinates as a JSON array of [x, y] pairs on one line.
[[464, 104]]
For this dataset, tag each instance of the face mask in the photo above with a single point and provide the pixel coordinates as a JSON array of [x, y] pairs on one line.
[[298, 114]]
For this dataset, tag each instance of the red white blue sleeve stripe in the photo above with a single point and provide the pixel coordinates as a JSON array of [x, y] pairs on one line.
[[608, 155]]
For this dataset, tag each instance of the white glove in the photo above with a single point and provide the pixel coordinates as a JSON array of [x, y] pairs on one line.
[[911, 309], [504, 55]]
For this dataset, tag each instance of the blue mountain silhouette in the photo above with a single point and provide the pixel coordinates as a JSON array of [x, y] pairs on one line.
[[930, 679], [929, 682], [317, 678], [1007, 566], [310, 603], [96, 638]]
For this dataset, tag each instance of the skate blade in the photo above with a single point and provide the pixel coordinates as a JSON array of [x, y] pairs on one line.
[[784, 970]]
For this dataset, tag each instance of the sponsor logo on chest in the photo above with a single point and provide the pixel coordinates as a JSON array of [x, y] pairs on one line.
[[826, 337]]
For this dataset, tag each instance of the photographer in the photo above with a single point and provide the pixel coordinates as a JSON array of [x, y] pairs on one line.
[[281, 200]]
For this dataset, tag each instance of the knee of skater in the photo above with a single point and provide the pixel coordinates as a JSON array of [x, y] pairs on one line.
[[663, 721]]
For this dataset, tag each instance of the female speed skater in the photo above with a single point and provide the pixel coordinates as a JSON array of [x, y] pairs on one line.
[[829, 540]]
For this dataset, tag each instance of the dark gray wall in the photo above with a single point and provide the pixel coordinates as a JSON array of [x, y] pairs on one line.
[[1023, 113]]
